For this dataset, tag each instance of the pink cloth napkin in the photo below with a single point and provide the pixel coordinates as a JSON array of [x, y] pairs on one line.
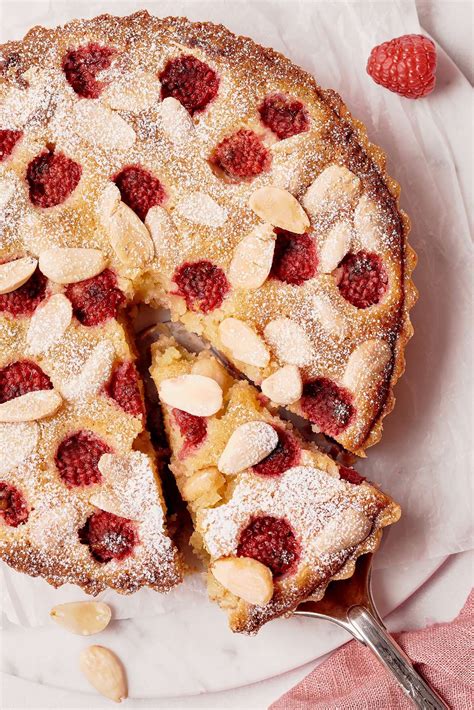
[[352, 679]]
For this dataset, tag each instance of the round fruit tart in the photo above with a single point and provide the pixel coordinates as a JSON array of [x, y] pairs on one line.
[[160, 161]]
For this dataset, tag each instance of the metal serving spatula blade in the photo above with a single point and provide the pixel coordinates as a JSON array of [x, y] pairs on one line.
[[349, 604]]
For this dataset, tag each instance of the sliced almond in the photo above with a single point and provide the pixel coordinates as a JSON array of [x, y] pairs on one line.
[[249, 444], [17, 442], [366, 366], [162, 230], [104, 671], [128, 485], [195, 394], [108, 203], [345, 529], [48, 323], [252, 258], [335, 246], [200, 208], [14, 274], [130, 239], [245, 577], [330, 318], [243, 342], [134, 92], [289, 341], [335, 188], [83, 618], [202, 482], [176, 120], [370, 223], [102, 127], [209, 367], [30, 406], [65, 265], [285, 386], [93, 375], [279, 208]]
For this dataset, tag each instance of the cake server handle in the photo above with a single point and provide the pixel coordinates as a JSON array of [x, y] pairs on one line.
[[369, 630]]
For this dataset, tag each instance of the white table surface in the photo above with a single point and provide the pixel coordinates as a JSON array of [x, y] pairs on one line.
[[440, 599]]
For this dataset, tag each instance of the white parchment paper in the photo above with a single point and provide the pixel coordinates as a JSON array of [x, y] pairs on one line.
[[424, 459]]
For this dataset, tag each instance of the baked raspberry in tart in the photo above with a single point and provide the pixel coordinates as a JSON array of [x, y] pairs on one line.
[[160, 161], [274, 518]]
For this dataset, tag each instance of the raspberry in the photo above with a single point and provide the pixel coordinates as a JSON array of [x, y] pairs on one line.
[[81, 66], [52, 177], [109, 537], [97, 299], [193, 429], [272, 542], [405, 65], [284, 116], [190, 81], [202, 284], [242, 155], [13, 506], [22, 377], [77, 458], [350, 475], [139, 189], [8, 140], [327, 405], [362, 279], [284, 456], [123, 387], [294, 259], [24, 300]]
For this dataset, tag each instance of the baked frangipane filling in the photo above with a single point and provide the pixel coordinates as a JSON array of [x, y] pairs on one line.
[[175, 163], [275, 519]]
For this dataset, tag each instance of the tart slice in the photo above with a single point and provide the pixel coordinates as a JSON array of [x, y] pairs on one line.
[[275, 519]]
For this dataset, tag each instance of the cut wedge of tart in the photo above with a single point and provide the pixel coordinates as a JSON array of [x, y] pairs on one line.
[[275, 519]]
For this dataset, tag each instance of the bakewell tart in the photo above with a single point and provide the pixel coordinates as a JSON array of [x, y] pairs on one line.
[[275, 519], [170, 162]]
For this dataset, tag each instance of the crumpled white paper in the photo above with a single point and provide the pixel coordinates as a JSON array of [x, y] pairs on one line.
[[424, 458]]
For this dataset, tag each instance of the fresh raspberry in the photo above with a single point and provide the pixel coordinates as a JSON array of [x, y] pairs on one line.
[[109, 537], [202, 284], [193, 429], [190, 81], [81, 66], [242, 155], [8, 140], [350, 475], [13, 506], [123, 387], [23, 301], [286, 454], [77, 458], [52, 177], [362, 279], [21, 377], [97, 299], [139, 189], [284, 116], [327, 405], [405, 65], [295, 259], [272, 542]]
